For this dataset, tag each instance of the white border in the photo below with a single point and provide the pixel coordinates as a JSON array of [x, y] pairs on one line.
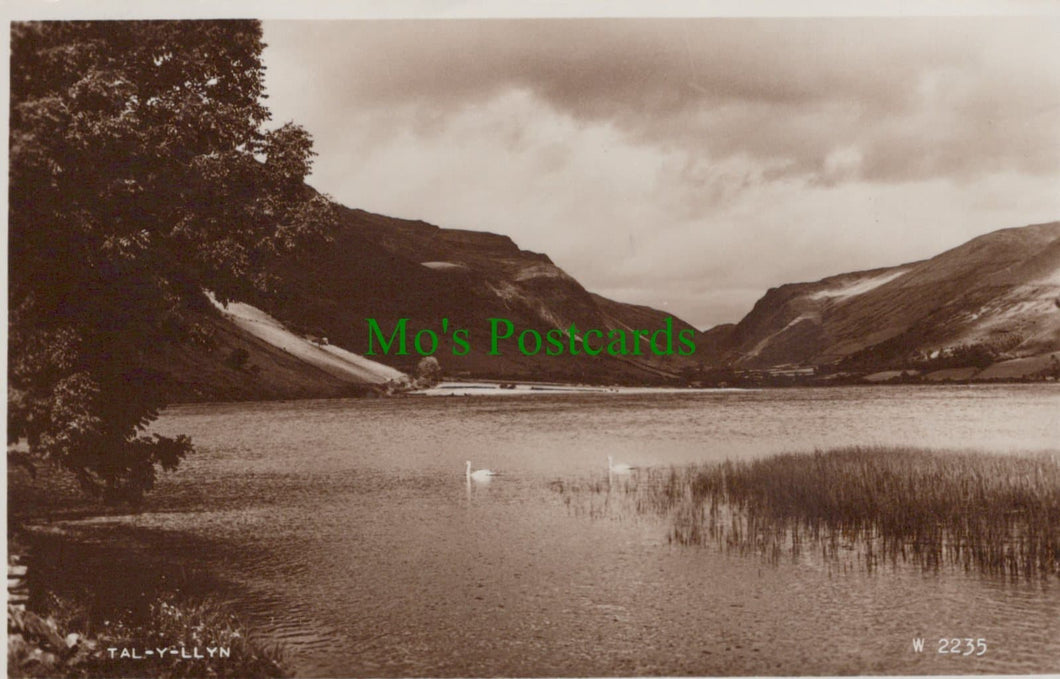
[[484, 9], [22, 10]]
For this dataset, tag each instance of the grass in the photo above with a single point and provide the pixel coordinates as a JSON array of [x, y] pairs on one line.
[[999, 514]]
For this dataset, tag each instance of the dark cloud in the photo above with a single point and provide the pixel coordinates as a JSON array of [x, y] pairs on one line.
[[916, 97]]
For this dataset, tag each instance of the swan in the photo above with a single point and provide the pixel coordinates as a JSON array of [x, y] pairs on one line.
[[478, 474], [620, 468]]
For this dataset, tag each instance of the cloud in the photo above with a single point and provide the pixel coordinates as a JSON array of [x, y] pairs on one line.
[[686, 163], [967, 95]]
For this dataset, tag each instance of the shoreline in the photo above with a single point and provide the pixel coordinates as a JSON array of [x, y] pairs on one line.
[[487, 388]]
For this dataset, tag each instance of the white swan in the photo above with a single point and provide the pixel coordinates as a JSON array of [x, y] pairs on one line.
[[620, 468], [478, 474]]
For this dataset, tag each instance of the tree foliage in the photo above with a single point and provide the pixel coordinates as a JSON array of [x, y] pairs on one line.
[[141, 173]]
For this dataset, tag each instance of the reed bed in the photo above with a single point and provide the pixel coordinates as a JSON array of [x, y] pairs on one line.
[[999, 514]]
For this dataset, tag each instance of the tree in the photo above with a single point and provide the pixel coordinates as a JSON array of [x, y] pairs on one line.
[[429, 371], [141, 174]]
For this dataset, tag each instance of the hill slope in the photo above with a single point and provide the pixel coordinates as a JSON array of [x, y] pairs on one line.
[[996, 295], [227, 363]]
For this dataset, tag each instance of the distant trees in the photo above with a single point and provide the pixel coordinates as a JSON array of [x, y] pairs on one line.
[[140, 173]]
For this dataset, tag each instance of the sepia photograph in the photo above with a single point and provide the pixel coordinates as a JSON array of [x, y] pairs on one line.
[[497, 339]]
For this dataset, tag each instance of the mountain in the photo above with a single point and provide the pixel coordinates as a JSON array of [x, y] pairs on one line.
[[988, 308], [388, 269], [996, 297]]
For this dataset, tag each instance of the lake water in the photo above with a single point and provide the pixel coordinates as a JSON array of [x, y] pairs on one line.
[[345, 529]]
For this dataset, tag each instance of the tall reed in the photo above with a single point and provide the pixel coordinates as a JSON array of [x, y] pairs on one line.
[[996, 513]]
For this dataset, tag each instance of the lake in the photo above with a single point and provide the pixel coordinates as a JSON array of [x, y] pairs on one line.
[[346, 530]]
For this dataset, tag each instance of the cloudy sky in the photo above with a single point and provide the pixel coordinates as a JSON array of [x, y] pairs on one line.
[[686, 164]]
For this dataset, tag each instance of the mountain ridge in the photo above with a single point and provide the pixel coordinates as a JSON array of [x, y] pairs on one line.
[[993, 299]]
